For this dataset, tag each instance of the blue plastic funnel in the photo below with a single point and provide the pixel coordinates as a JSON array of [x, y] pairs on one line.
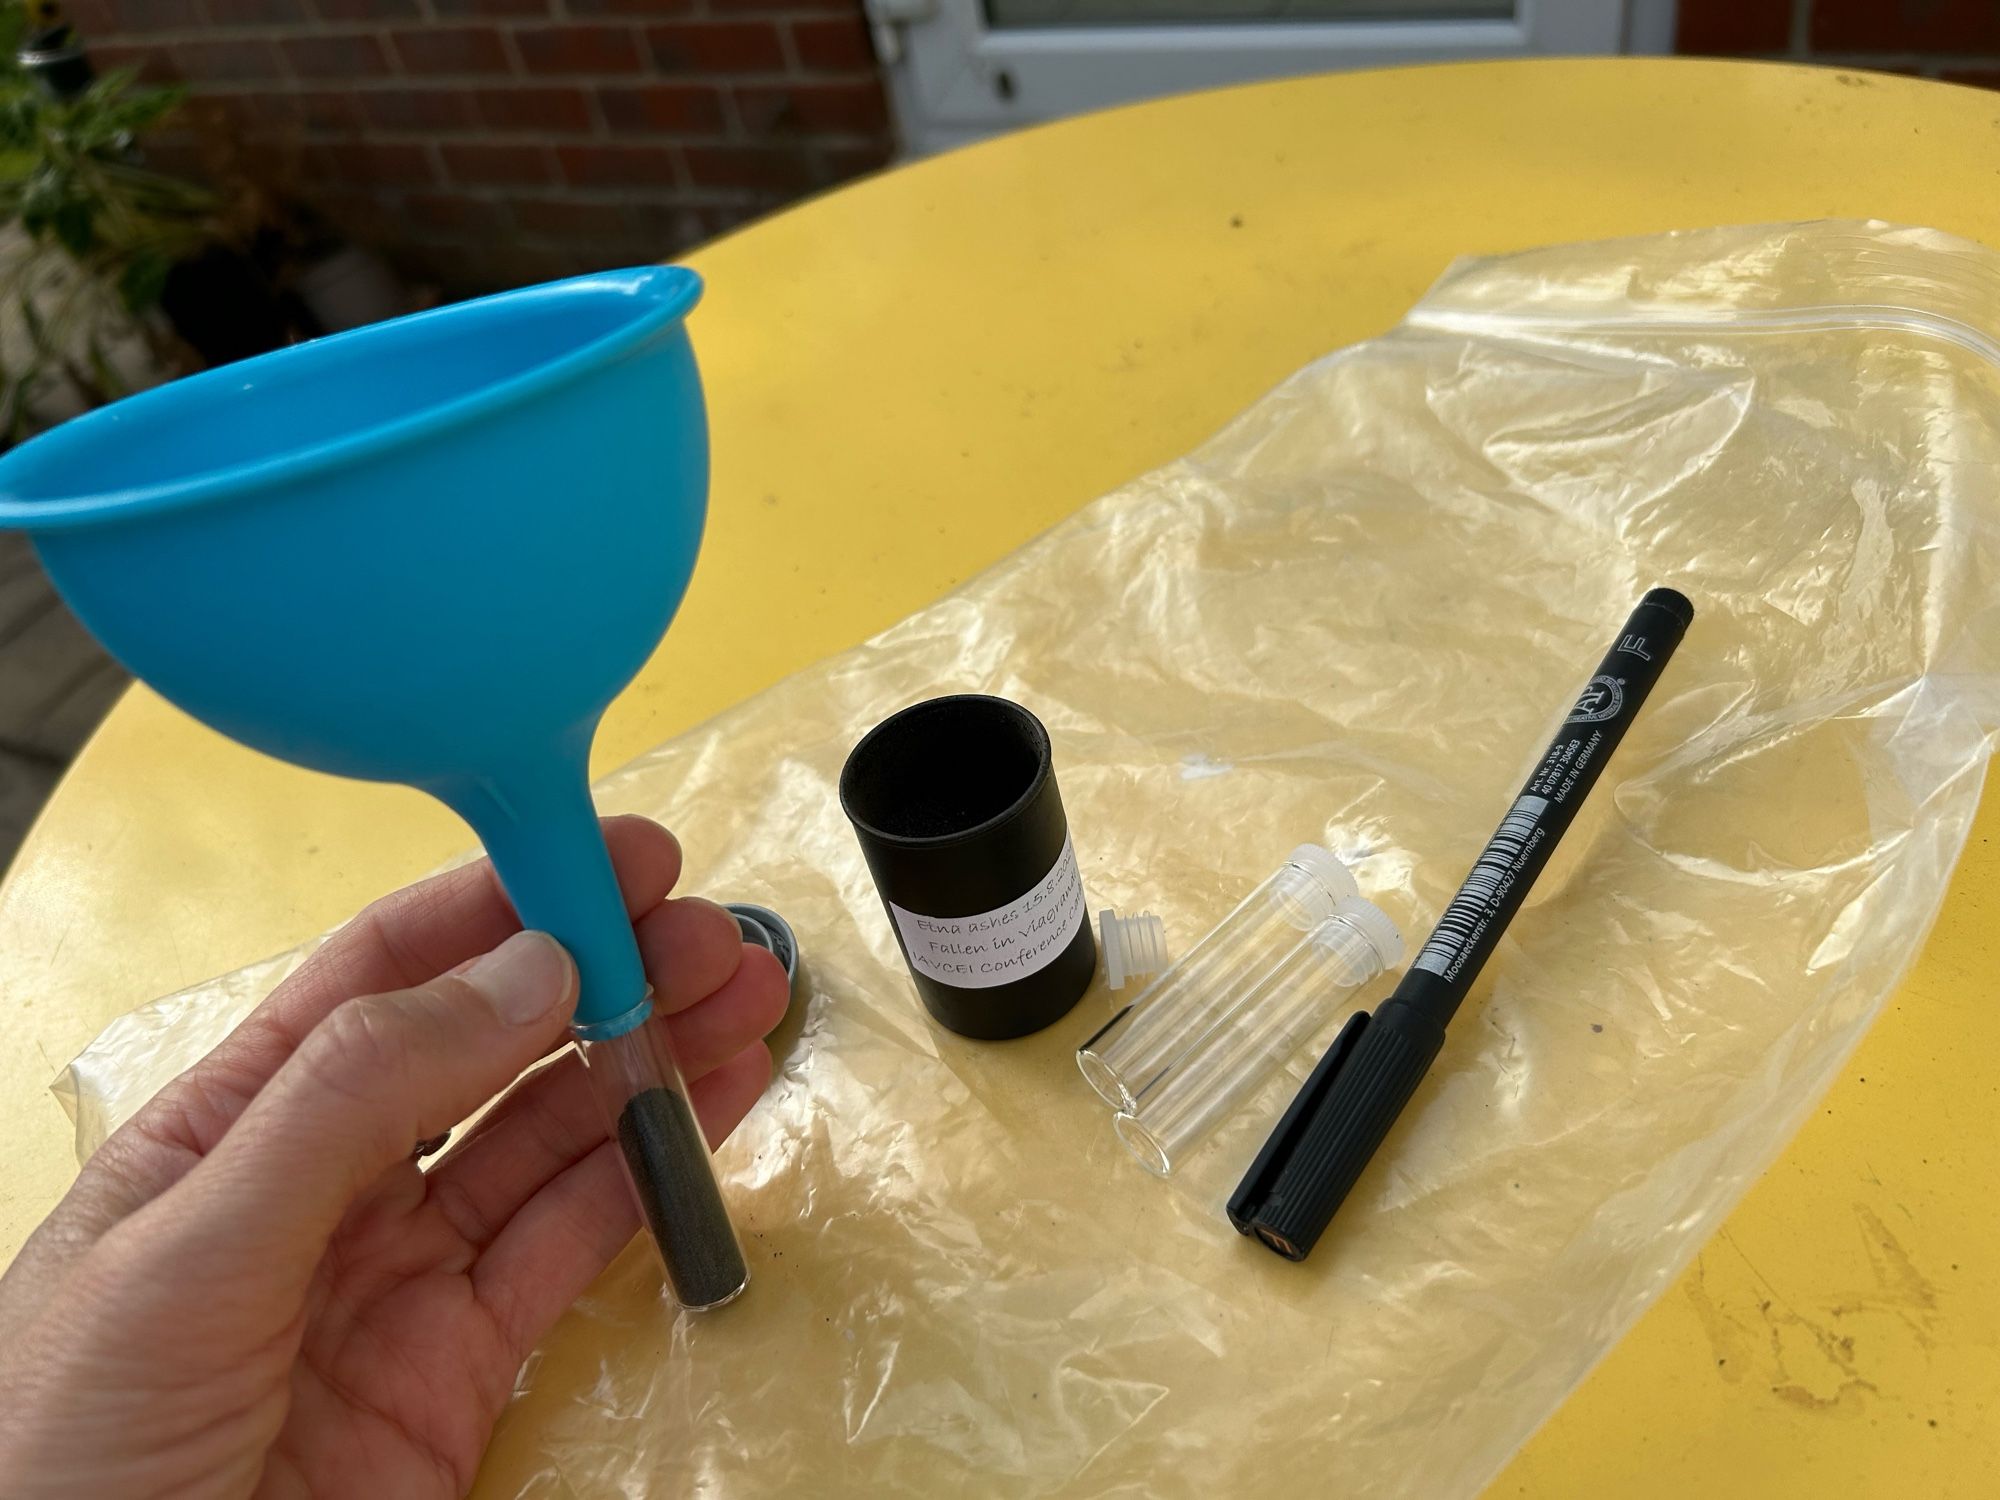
[[428, 551]]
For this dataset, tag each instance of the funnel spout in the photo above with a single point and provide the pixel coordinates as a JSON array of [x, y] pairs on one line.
[[538, 823]]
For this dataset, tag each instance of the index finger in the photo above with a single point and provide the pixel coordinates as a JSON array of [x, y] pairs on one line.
[[401, 941]]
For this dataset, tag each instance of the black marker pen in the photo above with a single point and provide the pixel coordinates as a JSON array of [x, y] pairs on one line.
[[1347, 1106]]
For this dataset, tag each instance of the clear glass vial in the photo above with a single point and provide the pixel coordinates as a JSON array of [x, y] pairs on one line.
[[667, 1163], [1310, 986], [1139, 1044]]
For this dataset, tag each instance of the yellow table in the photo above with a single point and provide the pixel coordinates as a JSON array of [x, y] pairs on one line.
[[914, 375]]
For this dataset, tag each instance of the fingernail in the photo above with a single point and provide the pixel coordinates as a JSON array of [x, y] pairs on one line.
[[523, 979]]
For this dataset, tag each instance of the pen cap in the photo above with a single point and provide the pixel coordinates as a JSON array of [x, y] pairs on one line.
[[1333, 1127]]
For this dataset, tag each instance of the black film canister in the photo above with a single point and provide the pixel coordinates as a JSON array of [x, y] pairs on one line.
[[954, 801]]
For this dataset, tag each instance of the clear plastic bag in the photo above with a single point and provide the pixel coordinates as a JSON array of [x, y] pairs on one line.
[[1352, 616]]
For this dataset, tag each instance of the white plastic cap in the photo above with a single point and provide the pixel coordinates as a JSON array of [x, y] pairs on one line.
[[1361, 932], [1132, 946], [1327, 868]]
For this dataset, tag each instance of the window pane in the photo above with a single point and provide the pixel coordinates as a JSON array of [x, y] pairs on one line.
[[1004, 13]]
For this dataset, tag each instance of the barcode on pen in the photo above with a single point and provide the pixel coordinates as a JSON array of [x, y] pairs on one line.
[[1470, 908]]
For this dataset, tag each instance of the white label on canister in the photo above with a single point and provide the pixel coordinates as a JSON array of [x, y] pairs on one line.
[[1000, 946]]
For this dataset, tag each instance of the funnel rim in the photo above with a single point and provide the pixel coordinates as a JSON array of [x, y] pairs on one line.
[[676, 290]]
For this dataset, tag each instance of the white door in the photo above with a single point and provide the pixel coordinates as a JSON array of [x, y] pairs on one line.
[[961, 69]]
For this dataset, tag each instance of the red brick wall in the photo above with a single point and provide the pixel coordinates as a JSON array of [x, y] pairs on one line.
[[486, 142], [1956, 40]]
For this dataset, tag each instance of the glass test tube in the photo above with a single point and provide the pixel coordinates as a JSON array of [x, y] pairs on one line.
[[1309, 986], [667, 1163], [1136, 1046]]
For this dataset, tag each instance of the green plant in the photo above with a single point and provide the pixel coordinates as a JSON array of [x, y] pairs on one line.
[[90, 235]]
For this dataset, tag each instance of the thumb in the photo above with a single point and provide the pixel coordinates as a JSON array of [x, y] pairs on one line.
[[375, 1075]]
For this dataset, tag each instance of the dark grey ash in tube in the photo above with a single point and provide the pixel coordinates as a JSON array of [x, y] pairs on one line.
[[954, 802]]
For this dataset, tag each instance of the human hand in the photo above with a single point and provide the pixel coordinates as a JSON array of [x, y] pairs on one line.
[[252, 1288]]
